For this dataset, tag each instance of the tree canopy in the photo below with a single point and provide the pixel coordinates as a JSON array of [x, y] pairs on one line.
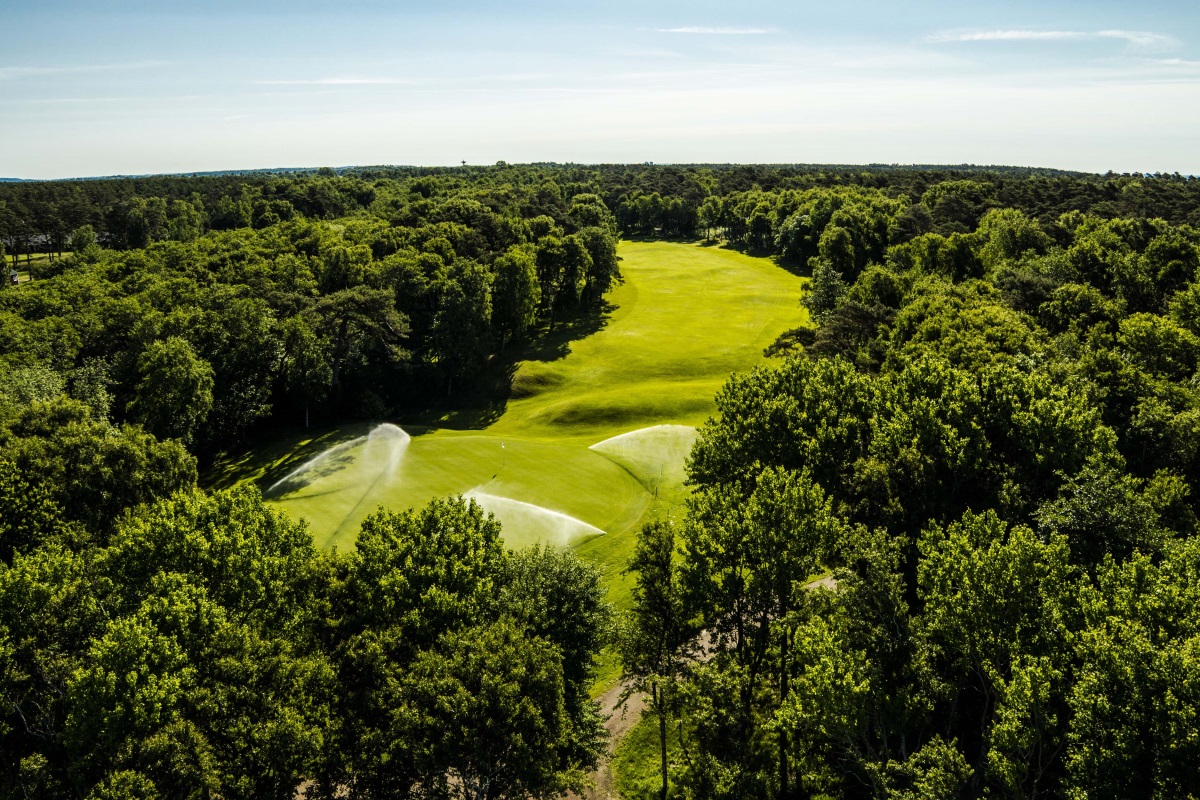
[[942, 545]]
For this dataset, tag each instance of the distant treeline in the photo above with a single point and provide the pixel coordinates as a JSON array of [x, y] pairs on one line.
[[213, 304], [132, 212]]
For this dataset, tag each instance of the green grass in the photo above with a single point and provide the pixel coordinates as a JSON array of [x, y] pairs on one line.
[[39, 260], [637, 764], [684, 319], [564, 478]]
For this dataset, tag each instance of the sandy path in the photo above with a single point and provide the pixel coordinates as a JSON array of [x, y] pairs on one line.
[[620, 719]]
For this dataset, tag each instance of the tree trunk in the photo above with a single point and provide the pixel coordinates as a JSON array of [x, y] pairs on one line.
[[339, 352], [784, 647], [659, 705]]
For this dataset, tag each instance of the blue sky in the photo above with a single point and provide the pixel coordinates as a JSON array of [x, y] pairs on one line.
[[91, 88]]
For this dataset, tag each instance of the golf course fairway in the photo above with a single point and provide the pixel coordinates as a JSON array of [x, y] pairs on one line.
[[592, 439]]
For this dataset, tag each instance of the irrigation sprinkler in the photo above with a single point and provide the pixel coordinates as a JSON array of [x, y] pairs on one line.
[[503, 461]]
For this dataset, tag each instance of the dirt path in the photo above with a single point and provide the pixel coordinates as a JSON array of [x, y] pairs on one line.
[[620, 719], [827, 582]]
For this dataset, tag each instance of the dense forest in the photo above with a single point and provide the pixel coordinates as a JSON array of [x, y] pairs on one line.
[[197, 325], [988, 440]]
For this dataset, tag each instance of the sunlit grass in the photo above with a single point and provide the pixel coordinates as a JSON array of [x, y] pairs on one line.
[[685, 318]]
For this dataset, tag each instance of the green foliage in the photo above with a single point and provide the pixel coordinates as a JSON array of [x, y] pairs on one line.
[[1103, 510], [27, 385], [1008, 235], [516, 294], [29, 515], [824, 291], [93, 470], [154, 664], [483, 715], [539, 582], [989, 443], [464, 666], [323, 296], [208, 646], [174, 395], [997, 430], [657, 635], [1134, 703]]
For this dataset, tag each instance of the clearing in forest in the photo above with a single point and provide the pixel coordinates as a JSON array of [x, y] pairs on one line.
[[593, 436]]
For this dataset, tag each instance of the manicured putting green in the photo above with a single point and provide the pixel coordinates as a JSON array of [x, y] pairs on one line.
[[594, 435]]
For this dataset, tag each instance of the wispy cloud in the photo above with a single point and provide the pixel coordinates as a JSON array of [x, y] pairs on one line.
[[1139, 38], [66, 100], [13, 73], [625, 52], [1176, 62], [512, 77], [339, 82], [717, 31]]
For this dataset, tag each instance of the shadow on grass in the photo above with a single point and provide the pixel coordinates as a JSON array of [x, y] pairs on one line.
[[791, 265], [274, 454], [487, 402], [658, 237], [324, 463], [274, 457]]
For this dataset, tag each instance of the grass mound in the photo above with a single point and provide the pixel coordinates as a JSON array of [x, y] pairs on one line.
[[533, 379]]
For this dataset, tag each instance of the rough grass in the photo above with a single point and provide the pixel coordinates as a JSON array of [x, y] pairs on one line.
[[637, 760], [685, 318]]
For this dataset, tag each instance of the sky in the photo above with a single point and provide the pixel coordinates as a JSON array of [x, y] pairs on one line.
[[89, 87]]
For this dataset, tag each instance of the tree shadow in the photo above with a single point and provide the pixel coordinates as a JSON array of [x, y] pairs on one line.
[[487, 400], [325, 463], [792, 266], [552, 345], [273, 456], [658, 237]]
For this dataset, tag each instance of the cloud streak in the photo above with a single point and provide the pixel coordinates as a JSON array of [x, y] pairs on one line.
[[717, 31], [13, 73], [1139, 38], [339, 82]]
